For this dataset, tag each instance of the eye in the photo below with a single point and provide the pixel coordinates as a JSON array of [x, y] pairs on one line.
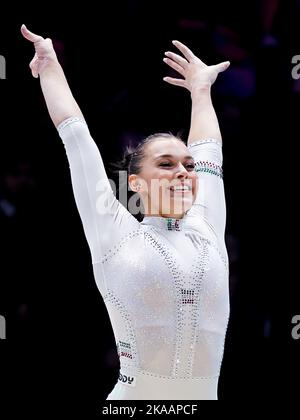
[[191, 166], [165, 164]]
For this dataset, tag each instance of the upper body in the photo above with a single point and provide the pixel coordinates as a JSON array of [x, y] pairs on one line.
[[164, 280]]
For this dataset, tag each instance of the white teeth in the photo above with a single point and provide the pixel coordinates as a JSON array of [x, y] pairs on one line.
[[184, 188]]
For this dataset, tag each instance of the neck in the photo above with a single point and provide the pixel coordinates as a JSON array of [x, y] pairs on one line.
[[169, 216], [165, 223]]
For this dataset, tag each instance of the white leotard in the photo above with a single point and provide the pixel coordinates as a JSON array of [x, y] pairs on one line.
[[164, 281]]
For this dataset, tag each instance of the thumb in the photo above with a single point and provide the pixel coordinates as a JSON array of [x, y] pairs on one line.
[[222, 66], [30, 35]]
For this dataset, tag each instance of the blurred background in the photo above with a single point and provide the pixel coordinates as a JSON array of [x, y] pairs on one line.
[[57, 327]]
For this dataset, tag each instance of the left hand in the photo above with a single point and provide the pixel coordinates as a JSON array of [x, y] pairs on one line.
[[196, 73], [44, 51]]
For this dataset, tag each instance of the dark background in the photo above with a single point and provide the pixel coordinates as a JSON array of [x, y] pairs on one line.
[[59, 344]]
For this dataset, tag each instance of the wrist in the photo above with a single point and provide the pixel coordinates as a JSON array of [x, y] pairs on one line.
[[201, 91], [50, 64]]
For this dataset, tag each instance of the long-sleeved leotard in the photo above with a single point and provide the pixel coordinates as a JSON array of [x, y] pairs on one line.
[[164, 281]]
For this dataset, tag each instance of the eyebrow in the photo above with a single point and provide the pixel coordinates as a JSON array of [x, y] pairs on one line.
[[171, 156]]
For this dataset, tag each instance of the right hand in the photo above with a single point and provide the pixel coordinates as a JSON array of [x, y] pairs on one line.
[[44, 51]]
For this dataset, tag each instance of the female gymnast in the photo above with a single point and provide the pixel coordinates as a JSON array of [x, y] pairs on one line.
[[164, 280]]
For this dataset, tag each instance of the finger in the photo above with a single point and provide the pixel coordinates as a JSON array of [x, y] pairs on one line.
[[185, 50], [177, 58], [176, 82], [174, 65], [30, 35], [34, 71], [222, 66], [33, 67]]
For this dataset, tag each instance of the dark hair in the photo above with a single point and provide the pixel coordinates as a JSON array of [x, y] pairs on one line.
[[133, 156]]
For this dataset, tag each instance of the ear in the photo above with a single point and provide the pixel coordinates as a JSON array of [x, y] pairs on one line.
[[133, 182]]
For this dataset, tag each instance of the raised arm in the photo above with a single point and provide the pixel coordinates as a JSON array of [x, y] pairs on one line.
[[58, 96], [104, 219], [205, 140]]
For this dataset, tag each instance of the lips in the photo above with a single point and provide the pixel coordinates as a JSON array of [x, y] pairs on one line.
[[180, 191], [181, 188]]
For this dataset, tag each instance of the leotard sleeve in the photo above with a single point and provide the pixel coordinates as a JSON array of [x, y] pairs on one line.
[[209, 204], [105, 220]]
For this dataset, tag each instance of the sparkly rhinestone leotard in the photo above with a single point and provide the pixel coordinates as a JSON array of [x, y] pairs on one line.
[[164, 281]]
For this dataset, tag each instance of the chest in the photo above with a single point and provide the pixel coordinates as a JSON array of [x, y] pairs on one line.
[[158, 271]]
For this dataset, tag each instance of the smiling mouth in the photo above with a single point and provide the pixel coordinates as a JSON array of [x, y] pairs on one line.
[[182, 189], [180, 192]]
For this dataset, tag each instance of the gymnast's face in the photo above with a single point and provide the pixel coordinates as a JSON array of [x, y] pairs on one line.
[[167, 182]]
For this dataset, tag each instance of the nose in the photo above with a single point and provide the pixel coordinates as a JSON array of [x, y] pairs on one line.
[[182, 173]]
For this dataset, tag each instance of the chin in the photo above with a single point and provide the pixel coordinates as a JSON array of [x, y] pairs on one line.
[[180, 207]]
